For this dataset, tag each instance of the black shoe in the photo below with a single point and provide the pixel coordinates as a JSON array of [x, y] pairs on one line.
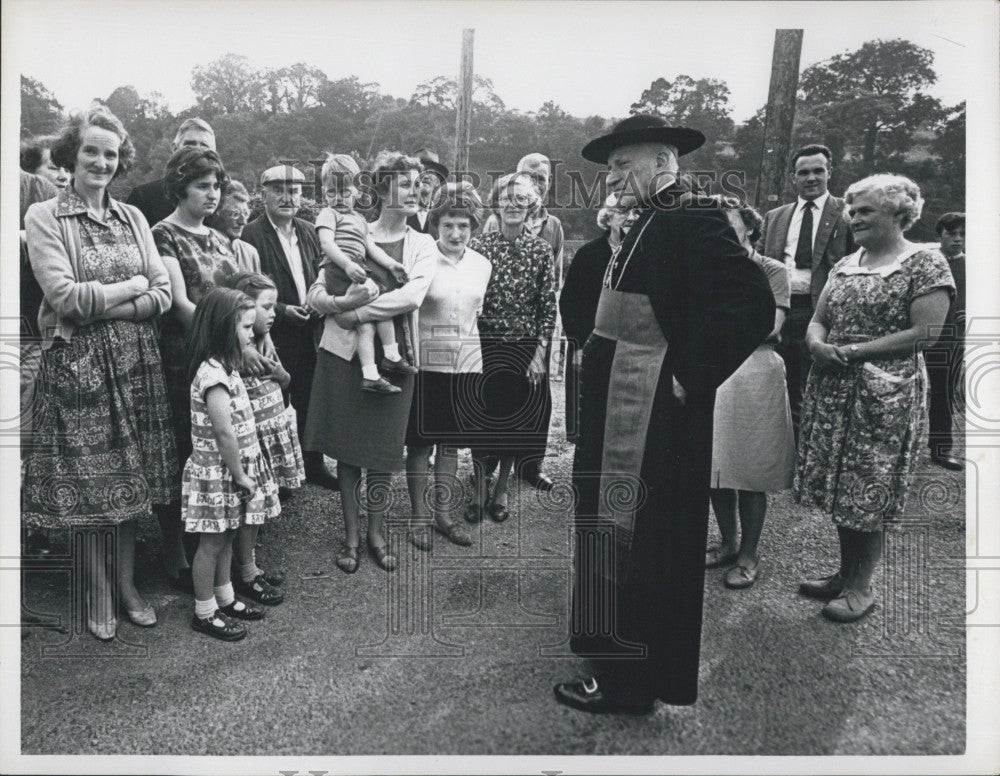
[[587, 696], [219, 626], [243, 610], [540, 481], [948, 461], [258, 589], [320, 475]]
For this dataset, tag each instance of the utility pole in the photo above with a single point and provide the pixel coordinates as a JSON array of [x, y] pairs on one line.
[[779, 118], [463, 117]]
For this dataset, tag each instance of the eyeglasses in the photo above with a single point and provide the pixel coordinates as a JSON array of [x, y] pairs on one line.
[[243, 213]]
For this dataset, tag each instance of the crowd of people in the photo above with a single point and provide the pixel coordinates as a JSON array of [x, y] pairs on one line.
[[189, 364]]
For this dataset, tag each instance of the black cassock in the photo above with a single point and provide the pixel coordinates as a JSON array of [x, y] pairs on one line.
[[684, 301]]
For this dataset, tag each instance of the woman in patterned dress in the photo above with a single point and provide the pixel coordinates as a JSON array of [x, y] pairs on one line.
[[101, 450], [198, 258], [864, 406], [519, 313]]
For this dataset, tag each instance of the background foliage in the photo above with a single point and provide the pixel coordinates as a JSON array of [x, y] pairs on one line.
[[869, 106]]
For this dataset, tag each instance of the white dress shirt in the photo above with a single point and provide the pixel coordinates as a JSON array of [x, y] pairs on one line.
[[802, 278], [294, 258]]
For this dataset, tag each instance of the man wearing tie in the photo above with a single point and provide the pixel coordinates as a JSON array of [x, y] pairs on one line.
[[290, 255], [810, 235]]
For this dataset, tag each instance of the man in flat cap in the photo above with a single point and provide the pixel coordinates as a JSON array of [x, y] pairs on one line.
[[682, 305], [290, 255]]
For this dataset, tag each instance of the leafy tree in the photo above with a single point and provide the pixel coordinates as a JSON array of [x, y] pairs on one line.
[[442, 92], [41, 113], [701, 104], [228, 85], [350, 97], [302, 84], [950, 147], [873, 93]]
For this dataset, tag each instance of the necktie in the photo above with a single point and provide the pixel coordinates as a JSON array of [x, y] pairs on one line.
[[804, 250]]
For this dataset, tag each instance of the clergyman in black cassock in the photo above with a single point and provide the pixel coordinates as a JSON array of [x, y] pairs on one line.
[[682, 307]]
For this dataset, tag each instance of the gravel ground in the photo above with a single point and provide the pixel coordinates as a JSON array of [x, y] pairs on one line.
[[456, 653]]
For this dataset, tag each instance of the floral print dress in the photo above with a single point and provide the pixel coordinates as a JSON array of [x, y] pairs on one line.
[[276, 431], [206, 261], [210, 501], [101, 449], [861, 424]]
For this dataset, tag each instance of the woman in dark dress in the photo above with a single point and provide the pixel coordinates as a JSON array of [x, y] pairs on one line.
[[360, 429], [519, 314], [579, 296]]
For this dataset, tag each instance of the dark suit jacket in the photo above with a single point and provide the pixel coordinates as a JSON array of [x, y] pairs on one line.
[[273, 263], [834, 239], [151, 201], [712, 301], [414, 223]]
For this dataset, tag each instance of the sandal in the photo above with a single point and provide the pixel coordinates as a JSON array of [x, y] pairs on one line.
[[498, 512], [348, 561], [241, 610], [382, 555], [258, 589], [219, 626], [455, 533]]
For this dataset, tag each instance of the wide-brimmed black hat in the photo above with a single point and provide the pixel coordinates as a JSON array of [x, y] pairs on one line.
[[642, 129]]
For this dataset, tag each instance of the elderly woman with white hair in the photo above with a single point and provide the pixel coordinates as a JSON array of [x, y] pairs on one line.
[[864, 408]]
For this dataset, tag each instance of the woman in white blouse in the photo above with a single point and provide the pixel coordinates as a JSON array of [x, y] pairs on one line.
[[445, 410]]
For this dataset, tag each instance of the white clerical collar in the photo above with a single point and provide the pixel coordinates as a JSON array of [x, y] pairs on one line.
[[819, 202]]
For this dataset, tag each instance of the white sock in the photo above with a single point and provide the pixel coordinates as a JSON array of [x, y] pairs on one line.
[[224, 594], [205, 609], [370, 372], [250, 571], [391, 352]]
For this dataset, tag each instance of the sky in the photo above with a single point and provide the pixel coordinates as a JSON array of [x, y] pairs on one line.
[[588, 57]]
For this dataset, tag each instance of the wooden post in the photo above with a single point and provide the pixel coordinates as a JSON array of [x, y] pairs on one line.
[[779, 118], [464, 112]]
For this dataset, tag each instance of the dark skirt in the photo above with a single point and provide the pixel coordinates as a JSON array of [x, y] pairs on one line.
[[173, 348], [101, 449], [447, 409], [515, 415], [356, 427]]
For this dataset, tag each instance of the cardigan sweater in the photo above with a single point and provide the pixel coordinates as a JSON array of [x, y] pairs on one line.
[[71, 298], [420, 258]]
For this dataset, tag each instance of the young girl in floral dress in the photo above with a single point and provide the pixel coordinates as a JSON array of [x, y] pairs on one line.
[[227, 481], [276, 433]]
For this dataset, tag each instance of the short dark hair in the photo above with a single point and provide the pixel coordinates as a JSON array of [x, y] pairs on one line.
[[456, 199], [213, 330], [33, 151], [67, 143], [949, 221], [250, 283], [812, 150], [188, 165]]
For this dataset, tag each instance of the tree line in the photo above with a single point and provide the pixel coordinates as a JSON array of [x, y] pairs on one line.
[[870, 106]]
